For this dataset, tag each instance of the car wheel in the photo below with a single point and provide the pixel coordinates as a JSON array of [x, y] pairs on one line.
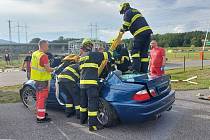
[[107, 115], [28, 97]]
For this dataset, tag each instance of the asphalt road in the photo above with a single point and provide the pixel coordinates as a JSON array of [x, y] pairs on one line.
[[194, 63], [188, 120], [12, 78]]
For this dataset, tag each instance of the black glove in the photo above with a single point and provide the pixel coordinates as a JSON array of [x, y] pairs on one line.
[[122, 30]]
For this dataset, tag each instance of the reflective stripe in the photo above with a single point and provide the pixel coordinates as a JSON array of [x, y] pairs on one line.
[[142, 30], [94, 127], [144, 59], [37, 69], [111, 52], [84, 58], [105, 55], [66, 77], [118, 62], [73, 71], [83, 109], [89, 65], [126, 23], [41, 110], [92, 114], [134, 18], [124, 57], [88, 82], [77, 107], [69, 105], [40, 117], [136, 55]]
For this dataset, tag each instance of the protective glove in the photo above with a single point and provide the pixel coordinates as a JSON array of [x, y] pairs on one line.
[[122, 30], [162, 68], [53, 75]]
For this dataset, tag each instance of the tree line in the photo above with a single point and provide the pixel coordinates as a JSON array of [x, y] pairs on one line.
[[187, 39]]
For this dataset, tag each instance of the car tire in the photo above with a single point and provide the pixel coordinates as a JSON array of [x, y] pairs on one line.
[[107, 116], [28, 97]]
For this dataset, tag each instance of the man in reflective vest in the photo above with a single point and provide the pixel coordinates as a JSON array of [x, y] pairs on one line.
[[91, 66], [157, 59], [40, 73], [68, 82], [139, 28]]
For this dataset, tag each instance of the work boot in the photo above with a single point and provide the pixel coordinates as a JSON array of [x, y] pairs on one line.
[[84, 121], [46, 115], [95, 128], [68, 115], [77, 115], [45, 120]]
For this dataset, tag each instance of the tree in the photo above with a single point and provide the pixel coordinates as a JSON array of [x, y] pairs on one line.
[[35, 40]]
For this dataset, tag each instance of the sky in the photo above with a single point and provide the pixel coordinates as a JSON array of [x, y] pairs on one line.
[[49, 19]]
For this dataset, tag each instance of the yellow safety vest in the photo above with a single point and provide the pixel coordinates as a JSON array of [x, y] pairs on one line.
[[38, 72]]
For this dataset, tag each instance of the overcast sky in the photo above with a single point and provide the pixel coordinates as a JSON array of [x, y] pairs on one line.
[[50, 19]]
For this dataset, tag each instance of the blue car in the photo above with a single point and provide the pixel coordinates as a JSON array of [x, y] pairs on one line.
[[125, 98]]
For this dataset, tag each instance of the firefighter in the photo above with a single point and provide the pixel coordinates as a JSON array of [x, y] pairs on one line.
[[91, 66], [139, 28], [121, 57], [66, 61], [40, 73], [68, 82], [157, 59]]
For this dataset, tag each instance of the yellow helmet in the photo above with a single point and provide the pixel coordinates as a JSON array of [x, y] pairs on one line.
[[87, 44], [72, 57], [123, 6], [86, 41]]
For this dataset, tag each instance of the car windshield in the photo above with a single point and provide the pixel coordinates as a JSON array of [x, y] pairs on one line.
[[129, 76]]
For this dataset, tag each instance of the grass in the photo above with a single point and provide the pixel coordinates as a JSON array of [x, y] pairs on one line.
[[179, 56], [203, 79], [10, 94], [17, 63]]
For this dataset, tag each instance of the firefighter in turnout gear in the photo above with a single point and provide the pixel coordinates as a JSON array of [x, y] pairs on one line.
[[91, 66], [40, 73], [68, 82], [139, 28], [121, 57]]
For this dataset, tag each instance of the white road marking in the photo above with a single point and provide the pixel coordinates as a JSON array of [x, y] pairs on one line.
[[85, 129], [63, 133], [202, 116]]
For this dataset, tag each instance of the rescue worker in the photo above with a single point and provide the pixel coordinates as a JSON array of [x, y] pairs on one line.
[[40, 73], [121, 57], [157, 59], [68, 82], [67, 60], [91, 66], [139, 28]]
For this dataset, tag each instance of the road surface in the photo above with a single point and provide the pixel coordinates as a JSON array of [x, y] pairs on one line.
[[188, 120]]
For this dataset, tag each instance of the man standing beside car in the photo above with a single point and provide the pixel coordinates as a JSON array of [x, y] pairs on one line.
[[41, 74], [157, 59]]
